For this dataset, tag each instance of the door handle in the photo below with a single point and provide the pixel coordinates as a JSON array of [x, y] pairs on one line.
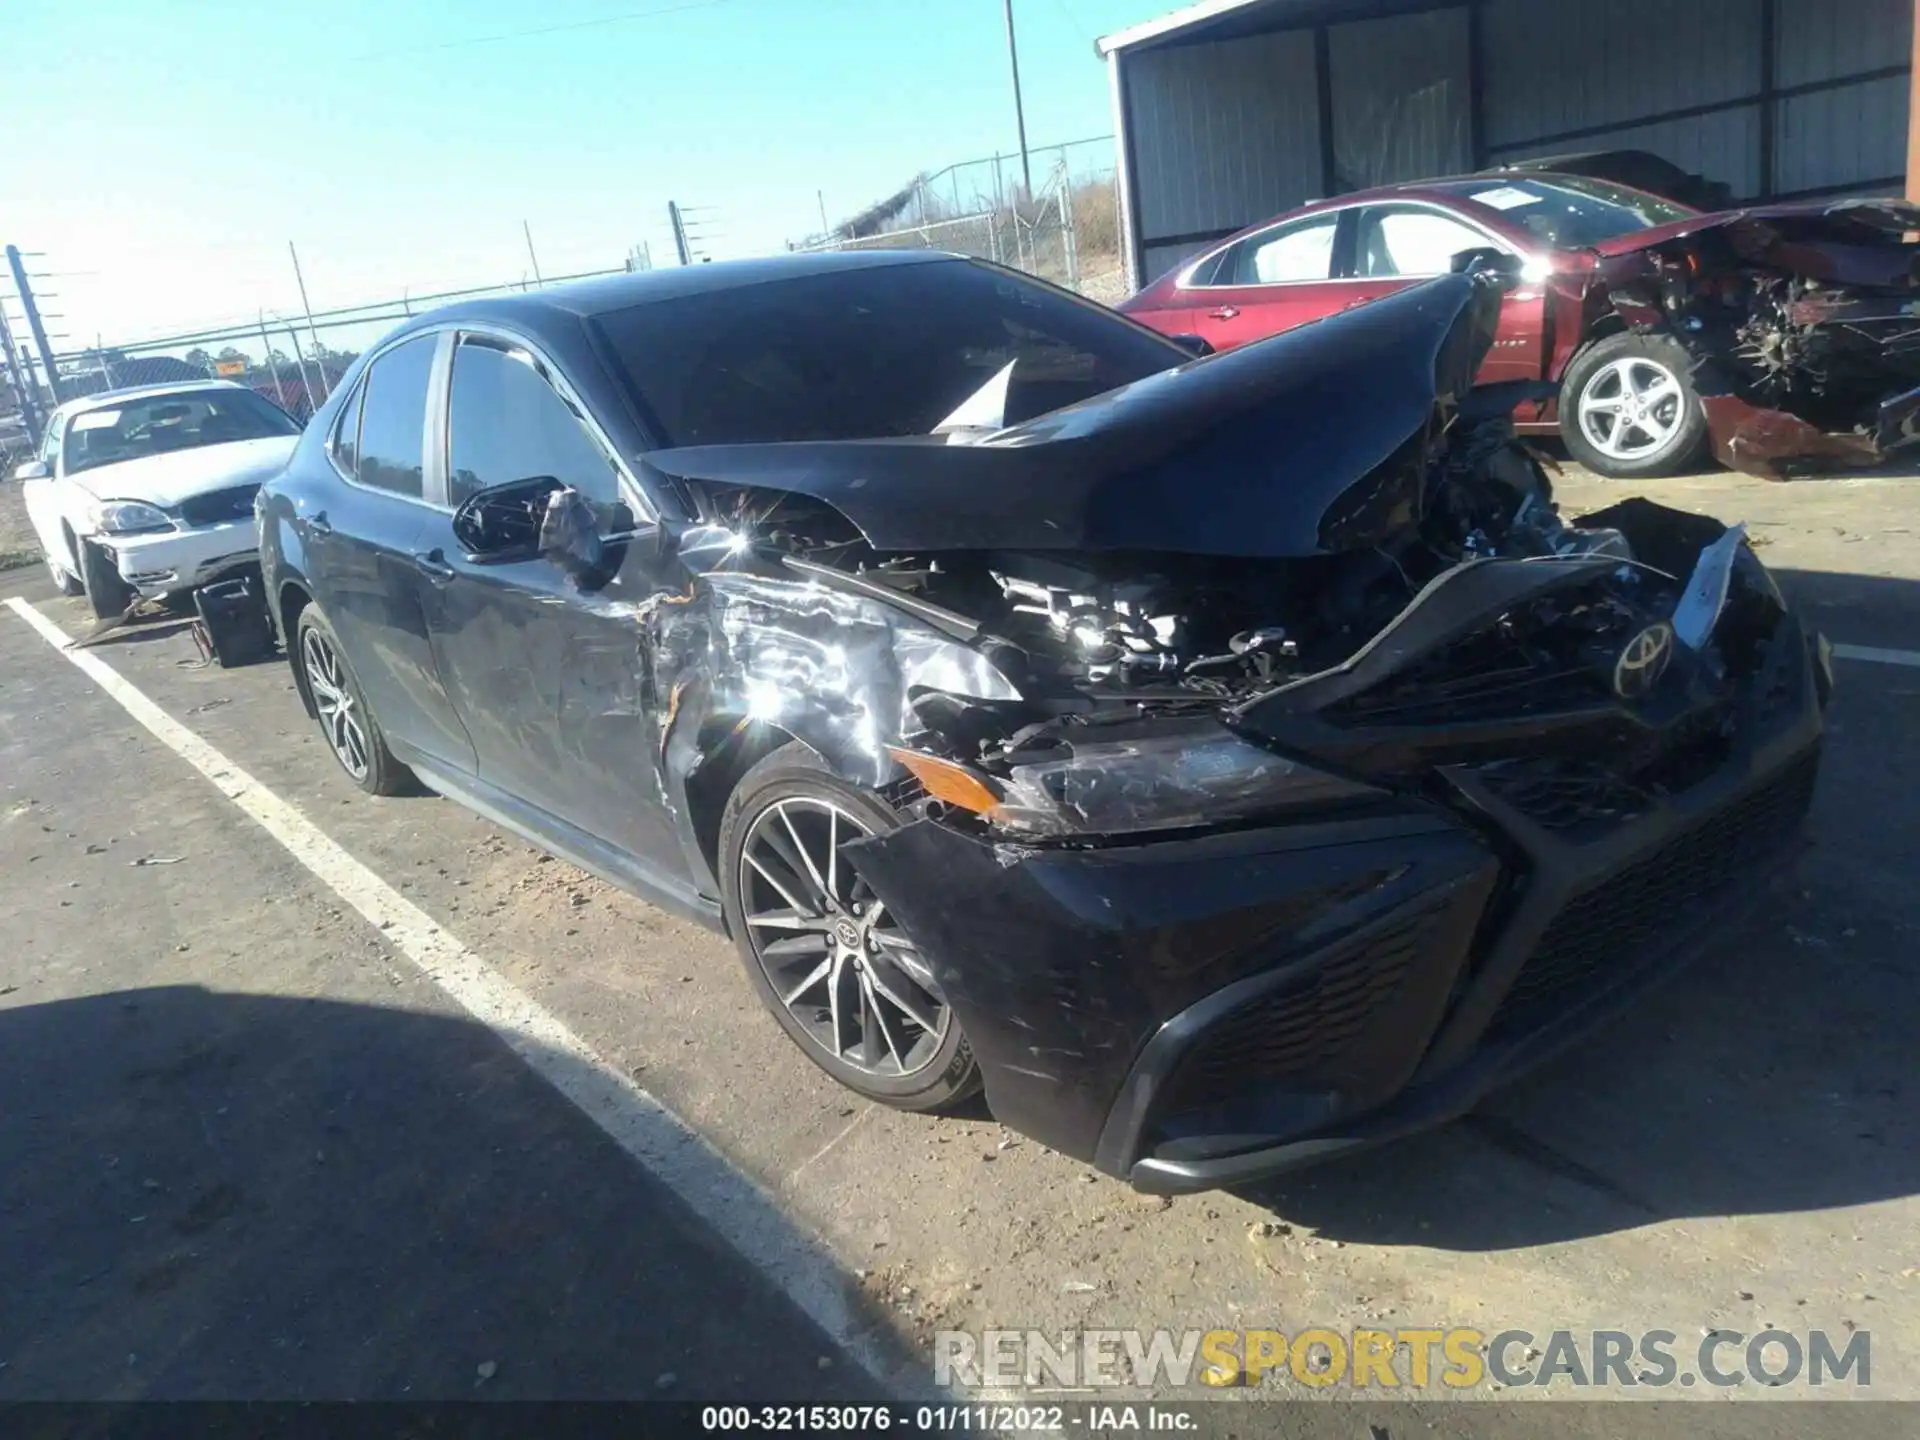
[[318, 524], [1223, 312], [433, 564]]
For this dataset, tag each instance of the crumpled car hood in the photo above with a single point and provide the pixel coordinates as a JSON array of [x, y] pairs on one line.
[[1834, 220], [1311, 442]]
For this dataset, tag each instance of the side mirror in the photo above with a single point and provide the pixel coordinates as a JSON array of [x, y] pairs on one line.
[[1197, 344], [501, 526], [32, 470], [1491, 261]]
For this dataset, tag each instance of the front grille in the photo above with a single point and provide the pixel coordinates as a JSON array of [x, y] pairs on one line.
[[1491, 675], [1301, 1028], [1559, 795], [1620, 917], [1589, 797], [219, 506]]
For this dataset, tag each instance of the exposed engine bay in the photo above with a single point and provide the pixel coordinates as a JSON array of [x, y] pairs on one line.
[[1148, 628], [1803, 324], [1334, 609]]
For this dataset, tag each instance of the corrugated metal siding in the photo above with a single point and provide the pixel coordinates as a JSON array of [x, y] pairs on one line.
[[1723, 145], [1162, 258], [1223, 134], [1228, 133], [1839, 137], [1400, 100], [1549, 68], [1824, 39]]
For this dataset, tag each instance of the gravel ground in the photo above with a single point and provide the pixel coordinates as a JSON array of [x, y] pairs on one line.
[[17, 546]]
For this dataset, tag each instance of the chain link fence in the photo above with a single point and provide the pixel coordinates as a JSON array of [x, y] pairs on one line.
[[1067, 229]]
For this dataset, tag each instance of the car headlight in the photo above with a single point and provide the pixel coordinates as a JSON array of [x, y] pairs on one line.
[[1149, 779], [129, 517]]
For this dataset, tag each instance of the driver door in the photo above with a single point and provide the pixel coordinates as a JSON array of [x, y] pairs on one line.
[[549, 673]]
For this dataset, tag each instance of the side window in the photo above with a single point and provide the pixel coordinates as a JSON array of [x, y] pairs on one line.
[[507, 422], [1300, 251], [1296, 252], [1403, 240], [1208, 271], [393, 418], [345, 440], [50, 442]]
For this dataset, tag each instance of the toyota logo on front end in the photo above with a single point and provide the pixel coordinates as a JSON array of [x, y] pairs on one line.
[[1643, 662]]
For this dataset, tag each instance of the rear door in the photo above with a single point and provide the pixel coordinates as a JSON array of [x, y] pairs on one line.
[[1270, 281], [42, 498], [1399, 244], [549, 671], [360, 543]]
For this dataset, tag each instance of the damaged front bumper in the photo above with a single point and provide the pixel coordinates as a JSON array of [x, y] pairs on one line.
[[1775, 444], [175, 560], [1802, 323], [1211, 1009]]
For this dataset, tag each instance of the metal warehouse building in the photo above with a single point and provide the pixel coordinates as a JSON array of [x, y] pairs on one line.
[[1234, 110]]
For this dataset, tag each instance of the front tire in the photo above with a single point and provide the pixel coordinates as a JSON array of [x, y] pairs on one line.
[[1628, 410], [834, 969], [107, 594], [68, 585], [347, 723]]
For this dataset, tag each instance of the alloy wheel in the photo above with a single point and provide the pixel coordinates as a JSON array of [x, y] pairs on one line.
[[1632, 408], [339, 715], [831, 952]]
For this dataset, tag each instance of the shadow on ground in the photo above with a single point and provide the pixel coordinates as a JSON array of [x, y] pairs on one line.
[[208, 1195], [1774, 1075]]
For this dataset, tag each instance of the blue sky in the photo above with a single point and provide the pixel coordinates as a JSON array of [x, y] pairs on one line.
[[172, 150]]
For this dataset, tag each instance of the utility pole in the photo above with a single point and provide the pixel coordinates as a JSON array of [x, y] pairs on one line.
[[1019, 111], [313, 332], [528, 231], [826, 230], [34, 327], [22, 382], [679, 232], [266, 358], [301, 360]]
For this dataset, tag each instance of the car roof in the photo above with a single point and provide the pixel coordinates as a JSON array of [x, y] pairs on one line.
[[587, 298], [134, 392], [1438, 187]]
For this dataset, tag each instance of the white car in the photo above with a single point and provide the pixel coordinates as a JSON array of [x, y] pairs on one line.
[[144, 492]]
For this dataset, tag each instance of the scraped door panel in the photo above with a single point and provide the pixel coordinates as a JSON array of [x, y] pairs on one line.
[[548, 667]]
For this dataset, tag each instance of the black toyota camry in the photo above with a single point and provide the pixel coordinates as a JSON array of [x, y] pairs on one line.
[[1225, 761]]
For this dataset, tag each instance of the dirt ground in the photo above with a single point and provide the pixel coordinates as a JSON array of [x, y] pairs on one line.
[[1741, 1151], [18, 548]]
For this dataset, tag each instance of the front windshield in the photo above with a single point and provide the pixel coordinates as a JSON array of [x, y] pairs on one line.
[[1569, 212], [158, 424], [869, 353]]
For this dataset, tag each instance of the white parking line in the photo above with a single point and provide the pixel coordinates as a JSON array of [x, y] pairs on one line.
[[749, 1220], [1879, 657]]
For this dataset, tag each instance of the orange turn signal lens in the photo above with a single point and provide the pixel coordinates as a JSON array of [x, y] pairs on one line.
[[948, 781]]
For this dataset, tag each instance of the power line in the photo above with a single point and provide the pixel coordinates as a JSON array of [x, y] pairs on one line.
[[622, 19]]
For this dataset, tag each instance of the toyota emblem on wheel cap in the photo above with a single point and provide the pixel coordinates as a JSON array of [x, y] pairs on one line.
[[1643, 662]]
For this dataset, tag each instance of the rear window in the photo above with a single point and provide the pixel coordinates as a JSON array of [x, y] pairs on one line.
[[1568, 212], [868, 353]]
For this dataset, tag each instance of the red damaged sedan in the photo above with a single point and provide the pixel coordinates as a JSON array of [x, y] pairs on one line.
[[1784, 337]]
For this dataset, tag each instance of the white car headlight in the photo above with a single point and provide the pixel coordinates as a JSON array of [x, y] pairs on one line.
[[129, 517]]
